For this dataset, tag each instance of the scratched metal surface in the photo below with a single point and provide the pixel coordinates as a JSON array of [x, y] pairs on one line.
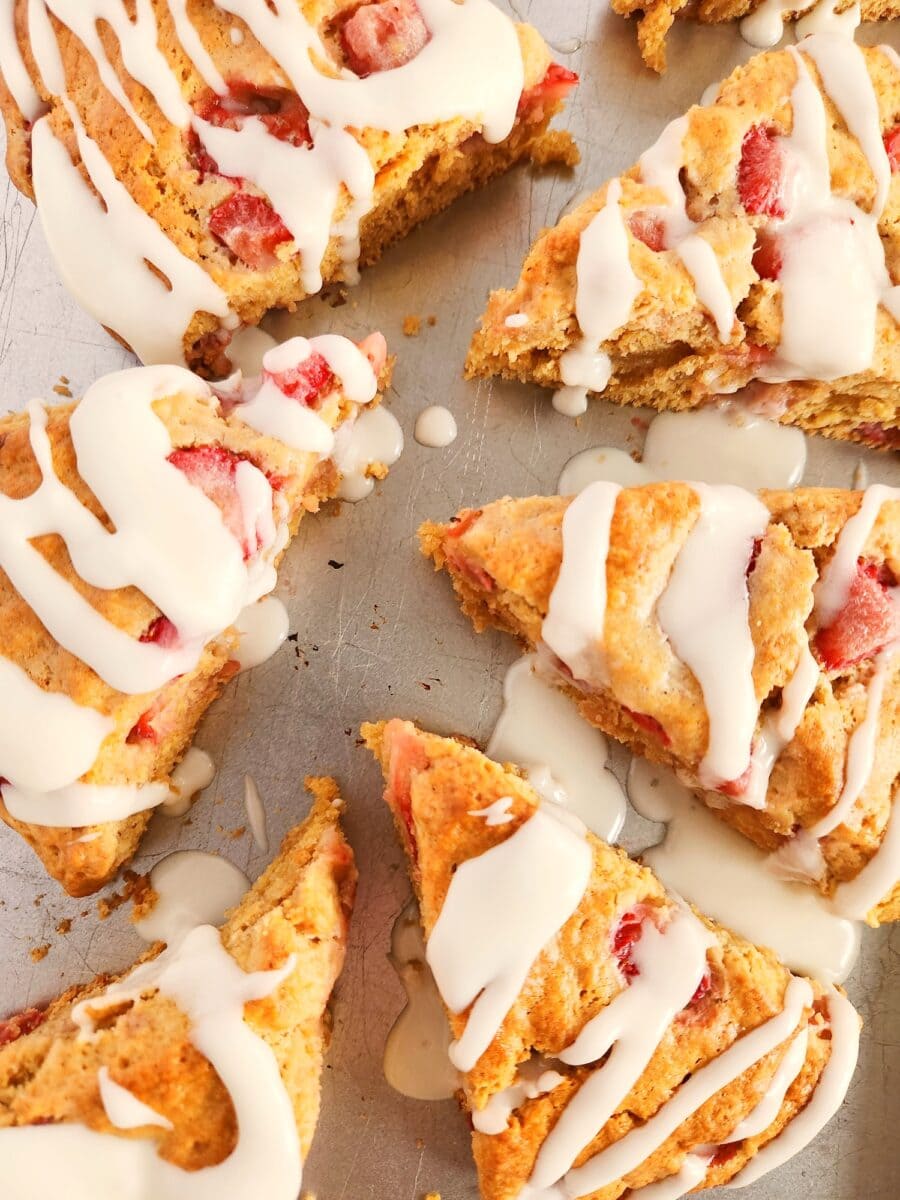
[[380, 635]]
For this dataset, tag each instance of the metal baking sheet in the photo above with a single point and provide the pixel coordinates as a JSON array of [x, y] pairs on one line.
[[381, 636]]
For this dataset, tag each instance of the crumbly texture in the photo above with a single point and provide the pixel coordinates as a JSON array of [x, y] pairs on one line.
[[668, 355], [504, 560], [84, 859], [433, 786], [418, 173], [300, 906], [656, 17]]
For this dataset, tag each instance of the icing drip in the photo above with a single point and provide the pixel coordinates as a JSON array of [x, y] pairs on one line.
[[500, 910], [123, 1109], [192, 888], [195, 772], [13, 69], [263, 626], [534, 1078], [778, 729], [834, 585]]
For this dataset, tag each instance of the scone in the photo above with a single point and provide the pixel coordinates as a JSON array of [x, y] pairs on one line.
[[750, 253], [196, 1073], [205, 163], [750, 643], [609, 1037], [114, 643]]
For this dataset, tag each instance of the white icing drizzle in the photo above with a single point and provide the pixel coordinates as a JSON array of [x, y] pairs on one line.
[[778, 728], [833, 588], [704, 612], [193, 888], [195, 772], [573, 627], [123, 1109], [764, 26], [262, 626], [79, 804], [256, 814], [495, 814], [13, 69], [375, 437], [500, 911], [534, 1078]]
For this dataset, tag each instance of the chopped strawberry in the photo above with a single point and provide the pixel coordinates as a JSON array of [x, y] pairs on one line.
[[866, 623], [470, 571], [142, 730], [250, 228], [736, 787], [724, 1153], [878, 435], [20, 1024], [650, 725], [760, 176], [461, 525], [280, 109], [648, 228], [703, 988], [213, 469], [307, 382], [767, 257], [892, 147], [381, 37], [554, 87], [374, 347], [754, 555], [162, 632], [200, 158], [625, 937], [407, 755]]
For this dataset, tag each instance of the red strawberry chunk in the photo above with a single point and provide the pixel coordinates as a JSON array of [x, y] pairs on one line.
[[464, 523], [878, 435], [767, 257], [724, 1153], [703, 988], [374, 347], [625, 937], [280, 109], [736, 787], [760, 176], [553, 88], [650, 724], [470, 571], [307, 382], [866, 623], [648, 228], [892, 147], [250, 228], [20, 1024], [213, 469], [162, 632], [380, 37], [142, 730], [407, 755]]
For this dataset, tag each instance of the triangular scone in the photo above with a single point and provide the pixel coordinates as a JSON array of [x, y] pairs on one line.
[[101, 687], [551, 949], [245, 154], [723, 262], [168, 1033], [749, 643]]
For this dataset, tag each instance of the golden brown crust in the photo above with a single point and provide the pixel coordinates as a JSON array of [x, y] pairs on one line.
[[669, 354], [433, 784], [504, 564], [300, 906]]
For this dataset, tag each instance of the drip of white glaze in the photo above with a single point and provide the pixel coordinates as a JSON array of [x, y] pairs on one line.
[[497, 813], [671, 963], [13, 69], [79, 804], [256, 814], [833, 588], [825, 1100], [824, 19], [517, 320], [534, 1078], [262, 626], [194, 773], [778, 728], [416, 1052], [211, 990], [435, 427], [375, 437], [720, 871], [601, 464], [704, 612], [192, 888], [764, 26], [194, 48], [607, 289], [500, 910], [248, 348], [576, 613], [564, 757], [123, 1109]]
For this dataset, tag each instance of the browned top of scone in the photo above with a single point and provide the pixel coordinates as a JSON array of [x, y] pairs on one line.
[[433, 786], [300, 906], [504, 560]]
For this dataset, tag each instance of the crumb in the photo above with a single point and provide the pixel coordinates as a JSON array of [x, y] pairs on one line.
[[39, 953], [64, 927], [334, 564], [62, 390], [425, 686], [64, 379], [420, 1143], [144, 899], [432, 320], [39, 899], [136, 888], [234, 834], [376, 470], [412, 326], [556, 149], [433, 1196]]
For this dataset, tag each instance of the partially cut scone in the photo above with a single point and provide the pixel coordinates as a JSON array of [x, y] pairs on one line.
[[197, 1073], [751, 252], [135, 527], [750, 643], [609, 1037], [207, 162]]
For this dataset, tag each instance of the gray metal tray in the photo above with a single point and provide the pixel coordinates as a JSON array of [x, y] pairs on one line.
[[381, 636]]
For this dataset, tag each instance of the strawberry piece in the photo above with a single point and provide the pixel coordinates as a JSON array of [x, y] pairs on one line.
[[877, 435], [552, 89], [703, 988], [20, 1024], [307, 382], [280, 109], [213, 469], [162, 632], [407, 755], [754, 555], [866, 623], [650, 725], [760, 176], [250, 228], [892, 147], [470, 571], [736, 787], [374, 347], [724, 1153], [142, 730], [381, 37], [648, 228], [625, 937], [767, 257], [461, 525]]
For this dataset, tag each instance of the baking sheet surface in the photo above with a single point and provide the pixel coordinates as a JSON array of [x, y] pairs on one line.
[[378, 635]]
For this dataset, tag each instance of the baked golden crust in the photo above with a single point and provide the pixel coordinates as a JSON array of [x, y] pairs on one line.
[[84, 859], [433, 785], [669, 355], [504, 560], [300, 906], [418, 173]]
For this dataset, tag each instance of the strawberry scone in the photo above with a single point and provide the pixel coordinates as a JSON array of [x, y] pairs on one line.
[[750, 253], [196, 1074], [750, 643], [203, 163], [136, 526], [610, 1039]]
